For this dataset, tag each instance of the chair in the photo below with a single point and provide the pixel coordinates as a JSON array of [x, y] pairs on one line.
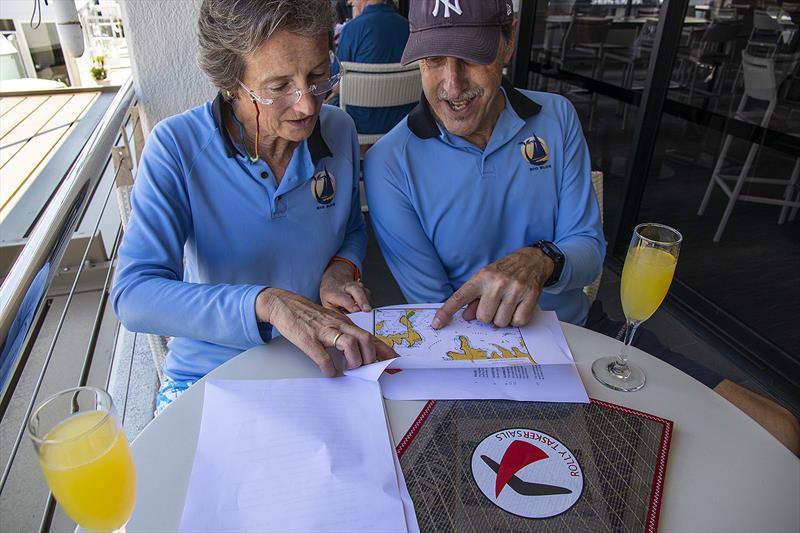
[[633, 57], [125, 168], [766, 34], [378, 85], [725, 14], [761, 82], [583, 44], [764, 40], [648, 11], [712, 55], [597, 183]]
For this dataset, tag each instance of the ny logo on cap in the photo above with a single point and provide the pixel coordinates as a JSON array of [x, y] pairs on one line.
[[448, 5]]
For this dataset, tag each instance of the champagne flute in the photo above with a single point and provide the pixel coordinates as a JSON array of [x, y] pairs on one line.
[[84, 456], [646, 277]]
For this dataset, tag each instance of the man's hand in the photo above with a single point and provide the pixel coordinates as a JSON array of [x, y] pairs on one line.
[[338, 290], [502, 293], [312, 328]]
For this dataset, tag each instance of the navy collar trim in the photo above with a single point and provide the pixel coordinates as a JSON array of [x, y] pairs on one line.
[[422, 123], [317, 146], [376, 7]]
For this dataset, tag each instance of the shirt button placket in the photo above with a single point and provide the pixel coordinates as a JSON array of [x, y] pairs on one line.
[[280, 206]]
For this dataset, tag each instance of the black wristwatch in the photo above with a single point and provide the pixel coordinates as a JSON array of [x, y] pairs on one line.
[[551, 250]]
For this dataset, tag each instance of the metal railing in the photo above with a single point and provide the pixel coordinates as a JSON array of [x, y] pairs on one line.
[[24, 292]]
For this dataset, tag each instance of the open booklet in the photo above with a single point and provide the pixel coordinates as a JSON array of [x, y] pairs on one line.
[[469, 359]]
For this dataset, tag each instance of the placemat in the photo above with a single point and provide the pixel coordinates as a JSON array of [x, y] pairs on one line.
[[530, 466]]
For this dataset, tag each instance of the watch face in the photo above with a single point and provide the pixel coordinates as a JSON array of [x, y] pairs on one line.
[[550, 250]]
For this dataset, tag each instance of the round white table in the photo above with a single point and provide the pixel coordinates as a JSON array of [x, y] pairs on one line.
[[725, 472]]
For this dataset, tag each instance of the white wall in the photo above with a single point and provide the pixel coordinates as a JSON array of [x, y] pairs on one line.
[[162, 42]]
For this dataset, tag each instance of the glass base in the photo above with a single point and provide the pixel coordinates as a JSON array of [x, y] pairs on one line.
[[626, 379]]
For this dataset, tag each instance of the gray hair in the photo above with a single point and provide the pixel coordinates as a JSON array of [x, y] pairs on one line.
[[230, 30]]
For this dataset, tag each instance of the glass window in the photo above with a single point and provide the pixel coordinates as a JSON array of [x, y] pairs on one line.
[[596, 56], [726, 167], [727, 163], [11, 67], [45, 49]]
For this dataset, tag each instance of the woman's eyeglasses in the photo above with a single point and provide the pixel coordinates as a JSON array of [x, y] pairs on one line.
[[288, 98]]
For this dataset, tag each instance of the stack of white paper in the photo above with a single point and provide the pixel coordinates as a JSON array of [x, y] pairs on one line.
[[296, 455]]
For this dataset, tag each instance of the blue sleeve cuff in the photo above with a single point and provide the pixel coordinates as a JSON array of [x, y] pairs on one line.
[[256, 332], [582, 264], [561, 282], [346, 252]]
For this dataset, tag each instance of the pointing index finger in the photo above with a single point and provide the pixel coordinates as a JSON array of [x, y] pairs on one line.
[[463, 296]]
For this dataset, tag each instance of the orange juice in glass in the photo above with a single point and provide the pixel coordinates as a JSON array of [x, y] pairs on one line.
[[646, 277], [84, 456]]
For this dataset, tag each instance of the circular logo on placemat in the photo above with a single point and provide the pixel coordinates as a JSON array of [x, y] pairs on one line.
[[527, 473]]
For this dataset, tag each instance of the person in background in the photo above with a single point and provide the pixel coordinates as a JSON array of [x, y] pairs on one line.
[[377, 34], [246, 213], [342, 10], [343, 14], [482, 197]]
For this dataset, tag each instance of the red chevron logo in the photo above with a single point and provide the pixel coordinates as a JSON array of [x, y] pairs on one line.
[[518, 455]]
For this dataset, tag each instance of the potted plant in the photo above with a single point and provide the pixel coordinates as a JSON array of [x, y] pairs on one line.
[[98, 70]]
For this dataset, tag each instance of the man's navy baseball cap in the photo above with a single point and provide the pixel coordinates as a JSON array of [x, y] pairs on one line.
[[466, 29]]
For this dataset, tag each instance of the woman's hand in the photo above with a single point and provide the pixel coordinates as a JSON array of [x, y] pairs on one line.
[[338, 290], [312, 328]]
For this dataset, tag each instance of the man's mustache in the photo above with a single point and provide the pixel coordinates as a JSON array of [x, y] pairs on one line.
[[466, 95]]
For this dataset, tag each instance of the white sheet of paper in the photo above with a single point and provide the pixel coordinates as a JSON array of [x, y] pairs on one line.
[[408, 504], [461, 344], [294, 455], [539, 383]]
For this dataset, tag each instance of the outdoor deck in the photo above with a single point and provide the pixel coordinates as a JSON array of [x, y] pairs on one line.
[[34, 127]]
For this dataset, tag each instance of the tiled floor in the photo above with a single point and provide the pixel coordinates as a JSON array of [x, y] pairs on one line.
[[676, 334]]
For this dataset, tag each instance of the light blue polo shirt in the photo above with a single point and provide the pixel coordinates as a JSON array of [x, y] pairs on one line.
[[442, 208], [209, 230]]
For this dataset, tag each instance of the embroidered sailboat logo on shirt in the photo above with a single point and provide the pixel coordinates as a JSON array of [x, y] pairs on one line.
[[323, 186], [534, 150]]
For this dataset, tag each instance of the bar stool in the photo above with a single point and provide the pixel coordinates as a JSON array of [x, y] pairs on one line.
[[761, 82]]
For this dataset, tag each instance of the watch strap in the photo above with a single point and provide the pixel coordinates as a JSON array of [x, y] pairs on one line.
[[551, 250]]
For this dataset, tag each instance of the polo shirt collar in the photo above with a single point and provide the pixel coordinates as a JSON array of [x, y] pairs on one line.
[[376, 7], [422, 123], [316, 144]]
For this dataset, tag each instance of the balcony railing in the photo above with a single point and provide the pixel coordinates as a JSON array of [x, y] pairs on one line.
[[36, 300]]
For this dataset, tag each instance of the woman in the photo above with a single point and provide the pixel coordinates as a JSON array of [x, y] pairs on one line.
[[246, 209]]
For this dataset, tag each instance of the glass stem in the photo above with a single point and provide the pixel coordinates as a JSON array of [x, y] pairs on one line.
[[630, 330]]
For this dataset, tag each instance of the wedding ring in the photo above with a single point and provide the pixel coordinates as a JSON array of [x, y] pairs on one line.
[[336, 339]]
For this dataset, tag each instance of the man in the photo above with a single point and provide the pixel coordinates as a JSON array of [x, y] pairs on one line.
[[482, 197], [377, 34]]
